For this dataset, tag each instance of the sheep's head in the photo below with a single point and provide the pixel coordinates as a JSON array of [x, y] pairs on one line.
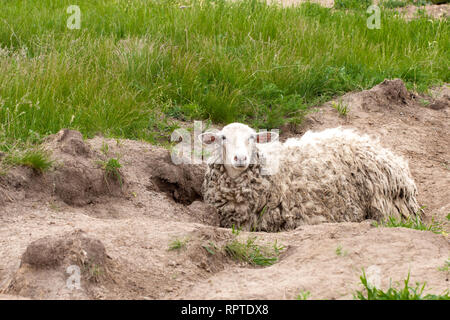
[[236, 143]]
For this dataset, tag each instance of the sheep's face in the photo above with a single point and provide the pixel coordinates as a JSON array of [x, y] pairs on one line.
[[237, 145]]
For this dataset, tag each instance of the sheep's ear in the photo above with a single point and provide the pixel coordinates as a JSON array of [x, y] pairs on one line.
[[208, 137], [265, 137]]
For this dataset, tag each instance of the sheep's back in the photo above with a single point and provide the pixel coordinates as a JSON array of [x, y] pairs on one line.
[[337, 175]]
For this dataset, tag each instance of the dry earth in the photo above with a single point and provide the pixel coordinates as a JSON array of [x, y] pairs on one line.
[[118, 233]]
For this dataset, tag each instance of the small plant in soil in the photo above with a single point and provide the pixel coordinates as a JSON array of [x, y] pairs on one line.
[[340, 252], [370, 292], [112, 169], [105, 148], [253, 253], [235, 231], [341, 108], [303, 295], [95, 272], [211, 248], [178, 244]]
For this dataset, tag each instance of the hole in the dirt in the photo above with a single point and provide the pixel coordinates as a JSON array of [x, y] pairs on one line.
[[175, 191]]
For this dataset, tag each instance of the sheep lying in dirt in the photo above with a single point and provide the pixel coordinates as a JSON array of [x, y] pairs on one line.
[[336, 175]]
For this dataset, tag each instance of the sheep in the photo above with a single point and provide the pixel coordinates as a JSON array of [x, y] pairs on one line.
[[260, 184]]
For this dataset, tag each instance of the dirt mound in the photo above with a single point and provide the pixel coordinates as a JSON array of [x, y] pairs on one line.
[[389, 94], [81, 179], [80, 175], [74, 248], [56, 258]]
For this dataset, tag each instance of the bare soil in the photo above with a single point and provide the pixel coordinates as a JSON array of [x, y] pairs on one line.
[[118, 232]]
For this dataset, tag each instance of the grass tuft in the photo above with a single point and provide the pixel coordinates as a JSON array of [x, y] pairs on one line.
[[178, 244], [341, 108], [303, 295], [406, 293], [112, 169], [340, 251], [35, 158], [253, 253]]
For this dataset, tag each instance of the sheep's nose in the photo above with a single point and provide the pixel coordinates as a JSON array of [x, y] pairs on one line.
[[242, 158]]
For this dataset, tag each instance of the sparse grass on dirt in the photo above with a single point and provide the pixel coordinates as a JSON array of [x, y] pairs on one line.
[[94, 272], [112, 169], [340, 251], [413, 223], [35, 158], [178, 244], [253, 253], [406, 293], [133, 66], [303, 295], [340, 107], [210, 247]]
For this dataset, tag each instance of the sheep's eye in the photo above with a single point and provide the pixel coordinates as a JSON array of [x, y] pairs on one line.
[[224, 138]]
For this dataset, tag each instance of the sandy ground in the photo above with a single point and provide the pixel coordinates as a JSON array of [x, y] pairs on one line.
[[119, 233]]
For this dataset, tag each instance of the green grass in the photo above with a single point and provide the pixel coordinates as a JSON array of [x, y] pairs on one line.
[[411, 222], [394, 3], [112, 169], [341, 108], [178, 244], [303, 295], [352, 4], [35, 158], [340, 252], [253, 253], [406, 293], [134, 66]]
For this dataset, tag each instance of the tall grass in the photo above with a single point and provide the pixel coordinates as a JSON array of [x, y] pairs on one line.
[[134, 65]]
